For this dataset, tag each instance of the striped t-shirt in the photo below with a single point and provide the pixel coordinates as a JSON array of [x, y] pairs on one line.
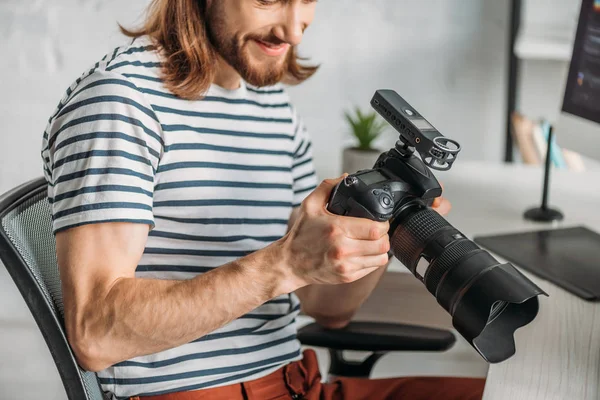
[[216, 179]]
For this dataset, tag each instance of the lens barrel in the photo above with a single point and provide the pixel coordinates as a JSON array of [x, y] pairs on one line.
[[487, 300]]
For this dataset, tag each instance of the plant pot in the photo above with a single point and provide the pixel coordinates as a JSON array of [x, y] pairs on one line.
[[354, 159]]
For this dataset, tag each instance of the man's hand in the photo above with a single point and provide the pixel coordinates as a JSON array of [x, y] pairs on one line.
[[322, 301], [335, 257], [323, 248], [441, 205]]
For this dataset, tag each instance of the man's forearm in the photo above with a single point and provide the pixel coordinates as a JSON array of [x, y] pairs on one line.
[[144, 316], [334, 305]]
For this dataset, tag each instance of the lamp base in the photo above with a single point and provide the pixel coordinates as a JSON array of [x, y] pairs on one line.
[[540, 214]]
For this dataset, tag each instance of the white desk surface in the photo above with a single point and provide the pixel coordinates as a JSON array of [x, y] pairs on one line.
[[558, 354]]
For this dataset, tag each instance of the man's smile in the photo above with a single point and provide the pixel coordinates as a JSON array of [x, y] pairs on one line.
[[271, 49]]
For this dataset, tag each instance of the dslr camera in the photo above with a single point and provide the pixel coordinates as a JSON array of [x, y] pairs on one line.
[[487, 300]]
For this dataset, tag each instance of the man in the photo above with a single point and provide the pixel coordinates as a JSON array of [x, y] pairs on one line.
[[187, 229]]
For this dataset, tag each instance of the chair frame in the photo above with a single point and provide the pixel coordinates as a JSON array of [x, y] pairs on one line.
[[50, 325]]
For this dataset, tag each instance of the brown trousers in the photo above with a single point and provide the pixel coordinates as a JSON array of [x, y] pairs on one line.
[[302, 380]]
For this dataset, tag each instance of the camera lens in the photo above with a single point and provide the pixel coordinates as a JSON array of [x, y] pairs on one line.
[[488, 300]]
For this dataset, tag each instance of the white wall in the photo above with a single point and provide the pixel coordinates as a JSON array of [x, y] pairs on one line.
[[47, 44], [446, 57]]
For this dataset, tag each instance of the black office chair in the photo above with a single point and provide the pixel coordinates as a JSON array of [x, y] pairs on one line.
[[27, 249]]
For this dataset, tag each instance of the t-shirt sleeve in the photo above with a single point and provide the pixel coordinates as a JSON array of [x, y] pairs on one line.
[[303, 170], [100, 152]]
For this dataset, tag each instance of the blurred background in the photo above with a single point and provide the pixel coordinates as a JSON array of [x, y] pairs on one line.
[[448, 58]]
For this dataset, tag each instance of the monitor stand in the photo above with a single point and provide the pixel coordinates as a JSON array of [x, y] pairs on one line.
[[543, 213]]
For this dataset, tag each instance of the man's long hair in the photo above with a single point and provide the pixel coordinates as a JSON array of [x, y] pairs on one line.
[[179, 29]]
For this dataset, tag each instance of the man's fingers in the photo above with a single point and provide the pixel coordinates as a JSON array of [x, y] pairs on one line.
[[368, 262], [362, 273], [361, 248], [362, 228], [321, 194], [442, 205]]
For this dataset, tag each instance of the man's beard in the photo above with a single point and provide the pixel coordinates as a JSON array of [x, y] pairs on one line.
[[235, 52]]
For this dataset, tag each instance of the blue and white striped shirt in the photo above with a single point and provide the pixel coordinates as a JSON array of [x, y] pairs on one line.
[[216, 179]]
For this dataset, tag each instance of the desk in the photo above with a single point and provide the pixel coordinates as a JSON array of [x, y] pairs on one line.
[[558, 354]]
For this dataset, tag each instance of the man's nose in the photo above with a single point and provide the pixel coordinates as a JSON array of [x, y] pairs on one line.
[[292, 28]]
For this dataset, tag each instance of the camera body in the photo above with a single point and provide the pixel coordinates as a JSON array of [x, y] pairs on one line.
[[379, 192], [368, 194], [488, 301], [398, 176]]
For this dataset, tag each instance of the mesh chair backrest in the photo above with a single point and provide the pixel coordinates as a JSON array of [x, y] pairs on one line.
[[28, 226]]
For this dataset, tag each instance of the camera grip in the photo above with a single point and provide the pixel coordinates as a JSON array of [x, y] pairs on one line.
[[334, 204], [343, 201]]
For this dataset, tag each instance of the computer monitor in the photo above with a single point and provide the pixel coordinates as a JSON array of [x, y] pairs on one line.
[[578, 127]]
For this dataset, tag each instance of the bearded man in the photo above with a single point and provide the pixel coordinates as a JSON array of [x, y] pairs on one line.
[[189, 226]]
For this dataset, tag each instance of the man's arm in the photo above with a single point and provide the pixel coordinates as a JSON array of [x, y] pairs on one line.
[[333, 306], [111, 316]]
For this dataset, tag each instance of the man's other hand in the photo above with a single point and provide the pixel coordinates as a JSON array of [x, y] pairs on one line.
[[441, 204]]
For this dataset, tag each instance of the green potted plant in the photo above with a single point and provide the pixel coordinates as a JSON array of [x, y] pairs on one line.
[[365, 128]]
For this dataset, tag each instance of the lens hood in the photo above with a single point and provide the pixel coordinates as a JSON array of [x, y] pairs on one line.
[[489, 310]]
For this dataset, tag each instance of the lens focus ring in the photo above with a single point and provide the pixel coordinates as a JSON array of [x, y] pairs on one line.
[[411, 236], [448, 259]]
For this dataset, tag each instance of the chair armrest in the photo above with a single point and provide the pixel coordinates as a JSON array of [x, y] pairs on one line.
[[377, 337]]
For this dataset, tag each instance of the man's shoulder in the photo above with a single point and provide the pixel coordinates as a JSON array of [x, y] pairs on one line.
[[139, 58], [133, 61], [121, 69]]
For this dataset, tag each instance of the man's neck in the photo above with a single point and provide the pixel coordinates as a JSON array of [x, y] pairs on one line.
[[226, 77]]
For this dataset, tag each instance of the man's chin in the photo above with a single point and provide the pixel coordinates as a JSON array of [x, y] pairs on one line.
[[260, 80], [264, 74]]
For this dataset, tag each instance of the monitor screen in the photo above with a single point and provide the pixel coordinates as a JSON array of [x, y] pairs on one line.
[[582, 92]]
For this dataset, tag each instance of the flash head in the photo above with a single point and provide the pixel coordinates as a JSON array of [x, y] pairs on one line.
[[436, 151]]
